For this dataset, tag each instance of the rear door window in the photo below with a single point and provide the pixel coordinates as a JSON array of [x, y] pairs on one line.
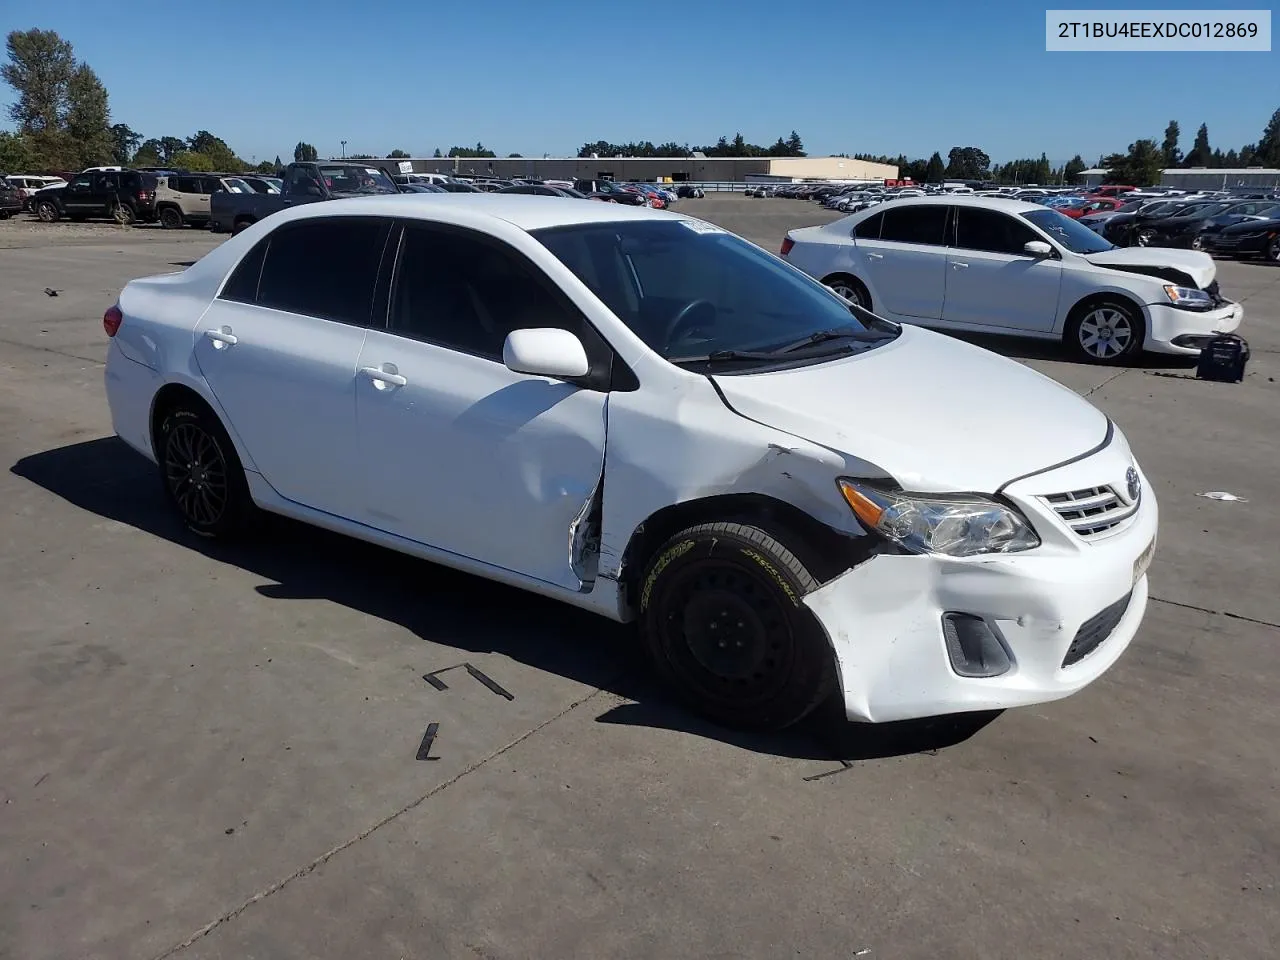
[[916, 224], [325, 268]]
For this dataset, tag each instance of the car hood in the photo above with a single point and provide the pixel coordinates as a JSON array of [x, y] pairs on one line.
[[936, 414], [1160, 262]]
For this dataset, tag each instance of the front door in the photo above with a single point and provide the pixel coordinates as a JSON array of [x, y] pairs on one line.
[[993, 282], [279, 348], [77, 196], [906, 267], [459, 452]]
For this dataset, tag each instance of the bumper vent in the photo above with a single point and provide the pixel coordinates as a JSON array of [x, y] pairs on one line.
[[1092, 511], [1094, 631]]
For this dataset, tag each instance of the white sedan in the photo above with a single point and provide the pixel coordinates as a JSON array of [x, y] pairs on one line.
[[643, 415], [996, 266]]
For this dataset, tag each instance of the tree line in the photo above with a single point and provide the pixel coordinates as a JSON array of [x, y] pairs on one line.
[[1145, 160], [791, 146]]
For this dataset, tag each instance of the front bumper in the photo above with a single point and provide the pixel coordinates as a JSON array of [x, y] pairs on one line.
[[884, 617], [1183, 332]]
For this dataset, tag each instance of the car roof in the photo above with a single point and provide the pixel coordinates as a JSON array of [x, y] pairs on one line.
[[1006, 204], [524, 211]]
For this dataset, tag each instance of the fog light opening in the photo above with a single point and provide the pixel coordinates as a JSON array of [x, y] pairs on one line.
[[1193, 340], [975, 651]]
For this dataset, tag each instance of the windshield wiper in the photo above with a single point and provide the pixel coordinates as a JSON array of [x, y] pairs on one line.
[[824, 336], [726, 356]]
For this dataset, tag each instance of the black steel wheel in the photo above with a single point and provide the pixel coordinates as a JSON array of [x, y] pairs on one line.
[[722, 619], [171, 218], [202, 473]]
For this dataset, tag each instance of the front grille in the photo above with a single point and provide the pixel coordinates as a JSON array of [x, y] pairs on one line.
[[1094, 631], [1092, 511]]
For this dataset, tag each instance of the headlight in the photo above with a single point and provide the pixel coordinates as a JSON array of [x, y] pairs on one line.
[[954, 526], [1188, 297]]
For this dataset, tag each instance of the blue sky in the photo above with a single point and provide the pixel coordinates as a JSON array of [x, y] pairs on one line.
[[544, 77]]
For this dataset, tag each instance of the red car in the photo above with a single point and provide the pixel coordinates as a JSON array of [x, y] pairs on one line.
[[1089, 206], [1110, 190]]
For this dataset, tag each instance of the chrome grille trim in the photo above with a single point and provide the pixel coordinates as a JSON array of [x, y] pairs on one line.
[[1091, 511]]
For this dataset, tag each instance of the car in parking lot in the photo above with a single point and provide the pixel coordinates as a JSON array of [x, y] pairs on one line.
[[103, 193], [643, 415], [1248, 238], [10, 200], [997, 266]]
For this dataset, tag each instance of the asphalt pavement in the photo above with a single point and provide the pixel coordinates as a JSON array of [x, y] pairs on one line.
[[212, 752]]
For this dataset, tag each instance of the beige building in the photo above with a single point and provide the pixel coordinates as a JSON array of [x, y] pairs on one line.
[[695, 168]]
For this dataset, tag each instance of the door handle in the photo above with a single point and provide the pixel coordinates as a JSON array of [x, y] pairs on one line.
[[378, 375], [958, 266], [876, 256], [222, 336]]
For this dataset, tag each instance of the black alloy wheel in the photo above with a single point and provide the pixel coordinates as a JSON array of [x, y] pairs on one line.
[[202, 473]]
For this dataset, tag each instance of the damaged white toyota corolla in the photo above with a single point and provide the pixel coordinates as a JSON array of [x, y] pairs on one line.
[[643, 415]]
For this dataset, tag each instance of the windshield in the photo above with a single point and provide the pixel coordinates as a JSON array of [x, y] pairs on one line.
[[692, 291], [349, 178], [1071, 234]]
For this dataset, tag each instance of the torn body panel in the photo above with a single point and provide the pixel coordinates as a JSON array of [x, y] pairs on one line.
[[584, 537], [686, 445]]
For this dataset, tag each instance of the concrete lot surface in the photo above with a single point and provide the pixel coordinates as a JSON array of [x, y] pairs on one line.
[[210, 751]]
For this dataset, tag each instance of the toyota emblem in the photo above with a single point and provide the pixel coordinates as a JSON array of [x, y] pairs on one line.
[[1134, 483]]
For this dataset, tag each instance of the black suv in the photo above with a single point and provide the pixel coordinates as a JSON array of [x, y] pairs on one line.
[[125, 195]]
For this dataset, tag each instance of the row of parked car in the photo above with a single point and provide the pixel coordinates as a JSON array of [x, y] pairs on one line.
[[177, 198]]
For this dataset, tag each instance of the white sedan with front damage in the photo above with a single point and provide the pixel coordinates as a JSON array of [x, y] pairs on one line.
[[640, 414], [997, 266]]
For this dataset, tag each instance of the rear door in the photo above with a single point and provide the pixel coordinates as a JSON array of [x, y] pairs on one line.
[[279, 348], [906, 265]]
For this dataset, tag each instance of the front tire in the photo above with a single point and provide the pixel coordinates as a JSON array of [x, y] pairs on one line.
[[1105, 331], [201, 472], [47, 211], [722, 619]]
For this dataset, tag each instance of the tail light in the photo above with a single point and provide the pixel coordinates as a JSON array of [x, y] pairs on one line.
[[787, 244], [112, 319]]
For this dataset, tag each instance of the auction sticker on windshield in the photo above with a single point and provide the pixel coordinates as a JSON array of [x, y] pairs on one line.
[[701, 226]]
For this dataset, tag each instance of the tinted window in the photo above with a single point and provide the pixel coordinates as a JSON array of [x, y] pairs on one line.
[[919, 223], [991, 231], [184, 184], [242, 285], [461, 292], [869, 229], [211, 185], [324, 268]]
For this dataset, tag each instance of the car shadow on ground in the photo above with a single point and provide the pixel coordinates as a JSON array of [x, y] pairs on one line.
[[443, 606]]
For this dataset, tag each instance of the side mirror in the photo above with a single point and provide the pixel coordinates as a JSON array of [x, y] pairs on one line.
[[545, 352], [1037, 248]]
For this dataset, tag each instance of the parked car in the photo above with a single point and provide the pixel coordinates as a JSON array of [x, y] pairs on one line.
[[303, 183], [1247, 239], [542, 190], [997, 266], [1111, 190], [1160, 229], [125, 195], [1085, 207], [186, 198], [421, 188], [1121, 229], [689, 191], [1248, 210], [610, 192], [10, 199], [27, 184], [681, 408], [263, 184]]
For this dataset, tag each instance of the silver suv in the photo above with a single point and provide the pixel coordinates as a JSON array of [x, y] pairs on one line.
[[183, 198]]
